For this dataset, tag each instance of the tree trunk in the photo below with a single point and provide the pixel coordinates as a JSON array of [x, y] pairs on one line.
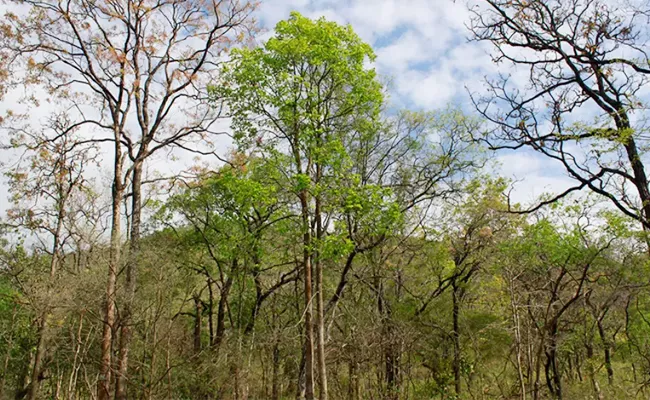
[[198, 310], [517, 326], [392, 365], [77, 360], [309, 329], [210, 311], [32, 391], [104, 379], [389, 353], [258, 301], [336, 297], [126, 322], [553, 376], [557, 376], [538, 362], [591, 371], [353, 380], [275, 379], [34, 384], [607, 350], [320, 315], [221, 309], [168, 367], [638, 170], [548, 373], [456, 337], [640, 178], [300, 386]]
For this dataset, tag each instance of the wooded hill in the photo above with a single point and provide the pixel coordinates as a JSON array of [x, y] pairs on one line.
[[340, 248]]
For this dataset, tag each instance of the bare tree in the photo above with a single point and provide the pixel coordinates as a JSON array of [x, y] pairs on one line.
[[581, 58], [50, 172], [135, 73]]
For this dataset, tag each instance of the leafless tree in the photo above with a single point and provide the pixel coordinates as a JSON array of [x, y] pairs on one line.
[[136, 74], [581, 102]]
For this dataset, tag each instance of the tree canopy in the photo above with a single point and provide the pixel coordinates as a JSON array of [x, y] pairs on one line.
[[339, 247]]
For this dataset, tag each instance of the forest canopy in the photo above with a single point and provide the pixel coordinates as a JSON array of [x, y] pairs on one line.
[[340, 244]]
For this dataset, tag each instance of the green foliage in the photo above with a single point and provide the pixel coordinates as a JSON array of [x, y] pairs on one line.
[[425, 271], [307, 85]]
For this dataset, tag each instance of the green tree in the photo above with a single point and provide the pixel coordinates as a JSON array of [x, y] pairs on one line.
[[299, 100]]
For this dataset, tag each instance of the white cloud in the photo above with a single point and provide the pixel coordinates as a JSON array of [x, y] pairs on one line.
[[429, 89], [528, 191], [518, 165], [402, 53], [532, 175], [270, 12], [422, 45]]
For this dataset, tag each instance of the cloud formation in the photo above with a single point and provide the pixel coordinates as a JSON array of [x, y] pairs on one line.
[[423, 48], [415, 42]]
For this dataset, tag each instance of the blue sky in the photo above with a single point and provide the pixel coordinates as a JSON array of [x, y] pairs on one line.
[[420, 44], [422, 48]]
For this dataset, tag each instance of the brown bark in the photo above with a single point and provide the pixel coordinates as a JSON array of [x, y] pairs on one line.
[[320, 315], [105, 370], [126, 321], [309, 330], [456, 337]]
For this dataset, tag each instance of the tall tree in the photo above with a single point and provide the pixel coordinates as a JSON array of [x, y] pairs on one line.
[[299, 99], [231, 214]]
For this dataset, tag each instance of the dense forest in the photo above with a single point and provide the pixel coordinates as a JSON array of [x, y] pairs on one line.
[[338, 245]]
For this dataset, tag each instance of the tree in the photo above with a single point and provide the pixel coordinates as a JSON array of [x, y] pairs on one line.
[[230, 213], [230, 237], [131, 71], [340, 245], [416, 162], [42, 189], [17, 338], [554, 270], [472, 246], [580, 106], [299, 99]]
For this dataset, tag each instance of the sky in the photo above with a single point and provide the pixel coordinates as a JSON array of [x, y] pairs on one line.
[[423, 51]]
